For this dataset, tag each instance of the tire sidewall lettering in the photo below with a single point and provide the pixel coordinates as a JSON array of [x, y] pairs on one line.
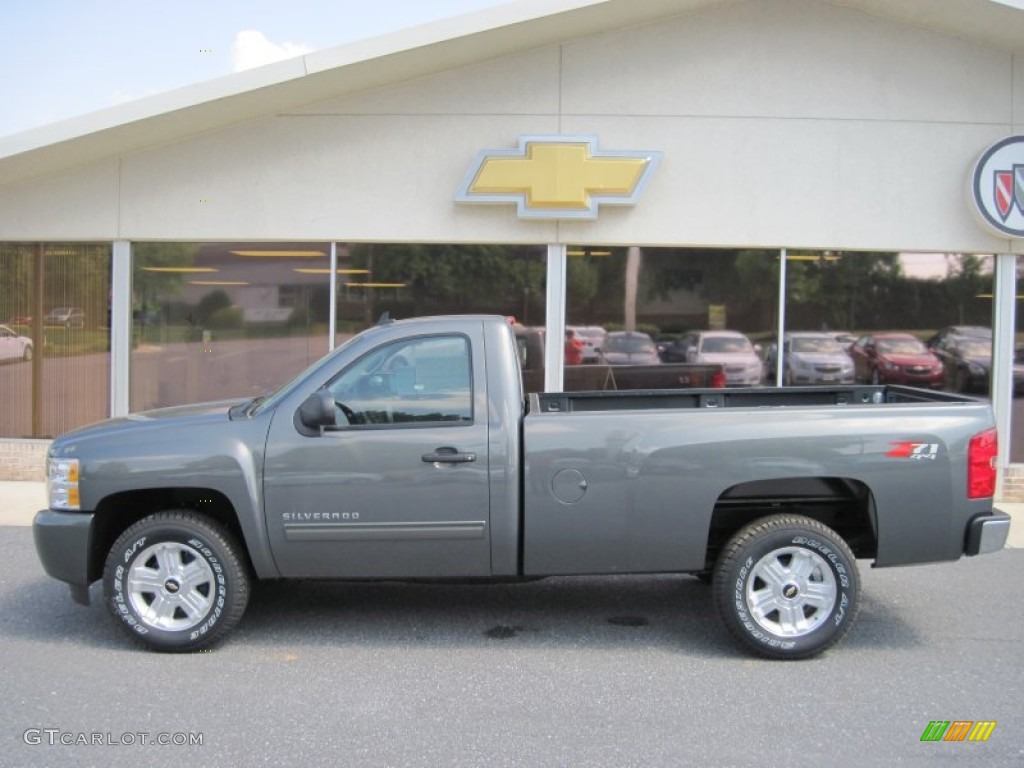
[[758, 539], [209, 551]]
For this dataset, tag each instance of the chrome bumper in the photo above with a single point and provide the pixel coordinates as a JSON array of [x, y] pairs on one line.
[[987, 533]]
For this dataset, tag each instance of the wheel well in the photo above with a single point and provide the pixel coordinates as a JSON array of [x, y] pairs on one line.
[[844, 505], [117, 512]]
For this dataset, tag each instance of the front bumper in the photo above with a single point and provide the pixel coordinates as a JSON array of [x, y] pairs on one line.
[[987, 533], [813, 377], [63, 543]]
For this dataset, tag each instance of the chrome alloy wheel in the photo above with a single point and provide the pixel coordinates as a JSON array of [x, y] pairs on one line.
[[790, 592], [171, 586]]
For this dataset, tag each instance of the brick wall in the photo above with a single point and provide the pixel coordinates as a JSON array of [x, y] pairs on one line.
[[1013, 483], [23, 459]]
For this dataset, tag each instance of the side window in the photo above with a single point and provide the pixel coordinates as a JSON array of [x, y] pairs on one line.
[[415, 381]]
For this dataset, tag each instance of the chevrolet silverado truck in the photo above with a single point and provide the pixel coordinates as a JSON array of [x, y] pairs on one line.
[[411, 452]]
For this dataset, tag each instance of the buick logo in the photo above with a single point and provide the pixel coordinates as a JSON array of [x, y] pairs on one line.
[[997, 187]]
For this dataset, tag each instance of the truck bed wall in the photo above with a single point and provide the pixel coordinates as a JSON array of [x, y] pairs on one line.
[[633, 489]]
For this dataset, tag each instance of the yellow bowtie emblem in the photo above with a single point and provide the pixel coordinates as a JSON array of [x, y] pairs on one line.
[[557, 177]]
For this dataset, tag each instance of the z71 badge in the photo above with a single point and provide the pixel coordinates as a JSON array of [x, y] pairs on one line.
[[909, 450]]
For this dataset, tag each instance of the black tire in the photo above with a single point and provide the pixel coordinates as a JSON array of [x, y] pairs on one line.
[[809, 599], [176, 581], [27, 354]]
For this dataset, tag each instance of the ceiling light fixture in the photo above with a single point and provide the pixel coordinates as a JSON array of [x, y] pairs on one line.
[[293, 254], [181, 270]]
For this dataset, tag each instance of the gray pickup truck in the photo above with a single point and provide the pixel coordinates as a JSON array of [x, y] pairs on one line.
[[410, 452]]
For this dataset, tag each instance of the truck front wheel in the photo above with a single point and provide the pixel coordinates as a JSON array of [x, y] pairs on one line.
[[176, 582], [787, 587]]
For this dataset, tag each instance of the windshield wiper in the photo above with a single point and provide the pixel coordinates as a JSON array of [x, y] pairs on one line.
[[244, 410]]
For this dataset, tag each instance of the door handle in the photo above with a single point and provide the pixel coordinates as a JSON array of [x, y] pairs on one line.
[[448, 455]]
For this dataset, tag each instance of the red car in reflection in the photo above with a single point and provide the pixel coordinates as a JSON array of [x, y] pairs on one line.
[[896, 358]]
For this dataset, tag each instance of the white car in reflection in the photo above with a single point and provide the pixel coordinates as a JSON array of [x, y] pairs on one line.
[[14, 346], [730, 349], [593, 337]]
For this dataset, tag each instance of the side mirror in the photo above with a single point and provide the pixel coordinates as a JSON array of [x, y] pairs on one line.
[[317, 411]]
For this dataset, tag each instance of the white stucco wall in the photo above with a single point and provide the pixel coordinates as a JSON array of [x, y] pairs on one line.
[[791, 122]]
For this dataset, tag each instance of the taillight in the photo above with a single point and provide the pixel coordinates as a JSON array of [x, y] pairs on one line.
[[717, 380], [981, 465]]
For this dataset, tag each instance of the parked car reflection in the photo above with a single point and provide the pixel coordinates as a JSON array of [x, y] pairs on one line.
[[896, 358], [966, 355], [69, 317], [592, 337], [733, 350], [813, 358], [14, 346], [630, 348]]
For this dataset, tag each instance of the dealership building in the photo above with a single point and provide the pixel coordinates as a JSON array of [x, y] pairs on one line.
[[760, 165]]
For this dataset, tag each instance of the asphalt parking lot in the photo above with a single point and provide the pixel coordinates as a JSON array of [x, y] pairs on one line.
[[625, 671]]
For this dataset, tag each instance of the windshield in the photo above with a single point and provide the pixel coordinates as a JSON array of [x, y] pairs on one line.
[[817, 346], [727, 345], [901, 347], [975, 348], [630, 344]]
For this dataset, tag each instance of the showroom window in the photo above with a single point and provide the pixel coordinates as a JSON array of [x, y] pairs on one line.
[[668, 317], [224, 320], [922, 319], [412, 280], [54, 337]]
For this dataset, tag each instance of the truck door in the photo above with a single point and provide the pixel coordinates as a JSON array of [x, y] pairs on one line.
[[400, 487]]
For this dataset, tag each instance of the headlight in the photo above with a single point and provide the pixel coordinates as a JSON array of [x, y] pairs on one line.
[[62, 483], [975, 369]]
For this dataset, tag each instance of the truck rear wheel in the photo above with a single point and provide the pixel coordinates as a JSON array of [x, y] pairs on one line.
[[787, 587], [176, 582]]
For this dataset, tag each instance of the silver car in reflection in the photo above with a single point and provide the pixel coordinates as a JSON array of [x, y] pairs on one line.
[[630, 348], [815, 358]]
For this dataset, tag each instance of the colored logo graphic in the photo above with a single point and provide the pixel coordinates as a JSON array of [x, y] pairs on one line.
[[997, 187], [958, 730], [557, 177], [917, 451]]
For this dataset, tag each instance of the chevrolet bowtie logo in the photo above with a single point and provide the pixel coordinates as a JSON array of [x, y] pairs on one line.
[[557, 177]]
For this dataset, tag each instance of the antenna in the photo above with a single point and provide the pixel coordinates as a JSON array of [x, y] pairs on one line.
[[385, 318]]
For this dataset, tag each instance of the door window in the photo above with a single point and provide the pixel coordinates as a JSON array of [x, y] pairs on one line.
[[414, 381]]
